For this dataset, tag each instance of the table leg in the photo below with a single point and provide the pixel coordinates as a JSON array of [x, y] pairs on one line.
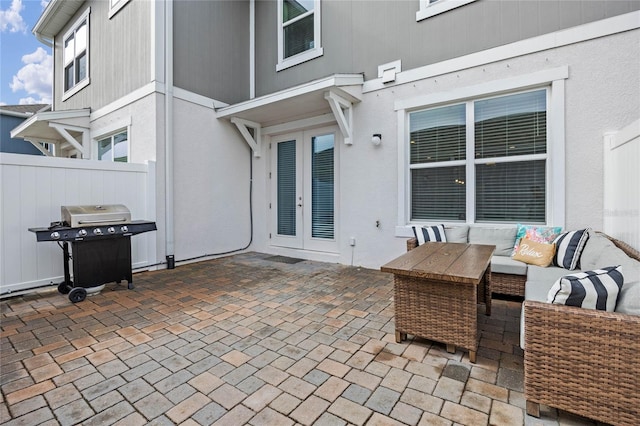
[[472, 356], [487, 291], [451, 348], [400, 336]]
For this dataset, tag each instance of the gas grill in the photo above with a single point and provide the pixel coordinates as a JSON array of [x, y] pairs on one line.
[[100, 238]]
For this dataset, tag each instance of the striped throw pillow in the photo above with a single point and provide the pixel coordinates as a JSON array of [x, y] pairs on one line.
[[429, 233], [569, 246], [597, 289]]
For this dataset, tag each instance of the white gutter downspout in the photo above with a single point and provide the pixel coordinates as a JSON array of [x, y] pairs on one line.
[[168, 135], [252, 49]]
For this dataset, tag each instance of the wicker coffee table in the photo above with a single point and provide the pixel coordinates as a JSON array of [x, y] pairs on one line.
[[437, 288]]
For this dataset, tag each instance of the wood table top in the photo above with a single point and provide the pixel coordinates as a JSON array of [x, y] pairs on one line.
[[453, 262]]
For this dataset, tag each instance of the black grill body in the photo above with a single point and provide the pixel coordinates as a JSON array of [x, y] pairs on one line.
[[101, 254], [101, 261]]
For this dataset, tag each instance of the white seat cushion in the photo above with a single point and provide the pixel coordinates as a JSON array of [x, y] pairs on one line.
[[507, 265]]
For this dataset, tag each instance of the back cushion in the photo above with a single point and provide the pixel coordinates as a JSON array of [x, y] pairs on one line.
[[457, 234], [503, 238]]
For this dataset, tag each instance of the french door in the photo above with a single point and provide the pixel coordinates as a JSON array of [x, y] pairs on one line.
[[303, 195]]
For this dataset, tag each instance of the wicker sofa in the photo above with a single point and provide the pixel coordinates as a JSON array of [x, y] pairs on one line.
[[579, 360]]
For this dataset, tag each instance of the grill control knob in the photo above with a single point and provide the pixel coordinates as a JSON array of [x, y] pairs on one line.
[[124, 228], [55, 235], [82, 232], [111, 230], [97, 231]]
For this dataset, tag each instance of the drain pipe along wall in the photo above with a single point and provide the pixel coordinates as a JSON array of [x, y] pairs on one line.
[[168, 137]]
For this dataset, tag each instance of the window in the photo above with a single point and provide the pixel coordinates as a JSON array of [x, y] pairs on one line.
[[298, 32], [76, 56], [114, 147], [115, 6], [481, 160], [429, 8]]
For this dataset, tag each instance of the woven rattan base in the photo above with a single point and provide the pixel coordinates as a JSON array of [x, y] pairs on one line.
[[512, 285], [440, 311]]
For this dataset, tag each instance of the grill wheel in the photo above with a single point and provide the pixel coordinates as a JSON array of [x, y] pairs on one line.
[[77, 294]]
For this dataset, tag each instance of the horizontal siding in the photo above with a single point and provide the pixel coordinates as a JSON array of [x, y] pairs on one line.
[[211, 48], [120, 54], [357, 36]]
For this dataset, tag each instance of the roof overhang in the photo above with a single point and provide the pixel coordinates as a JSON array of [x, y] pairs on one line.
[[39, 126], [332, 97], [57, 127], [298, 102], [56, 15]]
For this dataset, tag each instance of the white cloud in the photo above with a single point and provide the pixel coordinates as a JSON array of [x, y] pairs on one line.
[[44, 3], [11, 20], [35, 77]]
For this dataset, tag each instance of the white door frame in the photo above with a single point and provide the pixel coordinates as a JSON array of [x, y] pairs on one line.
[[303, 239]]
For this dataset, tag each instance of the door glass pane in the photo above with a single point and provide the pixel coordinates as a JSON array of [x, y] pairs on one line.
[[322, 187], [287, 188], [511, 192], [438, 193], [298, 36]]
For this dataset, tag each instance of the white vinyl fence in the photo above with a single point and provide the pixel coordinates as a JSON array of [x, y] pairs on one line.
[[32, 190], [622, 184]]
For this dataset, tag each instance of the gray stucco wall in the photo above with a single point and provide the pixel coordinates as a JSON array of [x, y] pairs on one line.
[[119, 54], [211, 44], [357, 36]]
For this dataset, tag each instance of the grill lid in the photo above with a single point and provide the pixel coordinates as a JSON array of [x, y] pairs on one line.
[[75, 216]]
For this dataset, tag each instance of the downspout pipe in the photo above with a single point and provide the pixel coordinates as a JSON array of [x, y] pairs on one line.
[[168, 137]]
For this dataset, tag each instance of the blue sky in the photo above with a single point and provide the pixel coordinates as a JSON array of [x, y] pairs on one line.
[[26, 64]]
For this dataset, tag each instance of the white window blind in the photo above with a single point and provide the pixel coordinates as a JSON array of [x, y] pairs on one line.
[[513, 126], [508, 138], [287, 188], [322, 187]]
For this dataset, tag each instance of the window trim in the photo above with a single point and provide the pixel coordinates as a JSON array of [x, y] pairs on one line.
[[115, 6], [427, 10], [87, 80], [110, 131], [307, 55], [553, 80]]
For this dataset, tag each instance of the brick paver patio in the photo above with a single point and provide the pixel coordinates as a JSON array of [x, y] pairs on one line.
[[249, 339]]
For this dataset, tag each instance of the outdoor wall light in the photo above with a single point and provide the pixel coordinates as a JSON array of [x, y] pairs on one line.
[[376, 139]]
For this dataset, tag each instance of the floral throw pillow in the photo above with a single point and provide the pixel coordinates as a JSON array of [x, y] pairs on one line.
[[539, 234]]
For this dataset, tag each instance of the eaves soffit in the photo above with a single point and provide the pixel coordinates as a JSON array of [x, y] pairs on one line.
[[57, 14]]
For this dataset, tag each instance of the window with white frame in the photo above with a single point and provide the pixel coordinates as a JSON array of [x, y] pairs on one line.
[[76, 55], [429, 8], [115, 6], [481, 160], [298, 32], [114, 147]]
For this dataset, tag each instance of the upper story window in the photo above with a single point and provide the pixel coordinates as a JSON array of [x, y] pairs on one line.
[[114, 147], [298, 32], [429, 8], [480, 161], [76, 56], [115, 6]]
